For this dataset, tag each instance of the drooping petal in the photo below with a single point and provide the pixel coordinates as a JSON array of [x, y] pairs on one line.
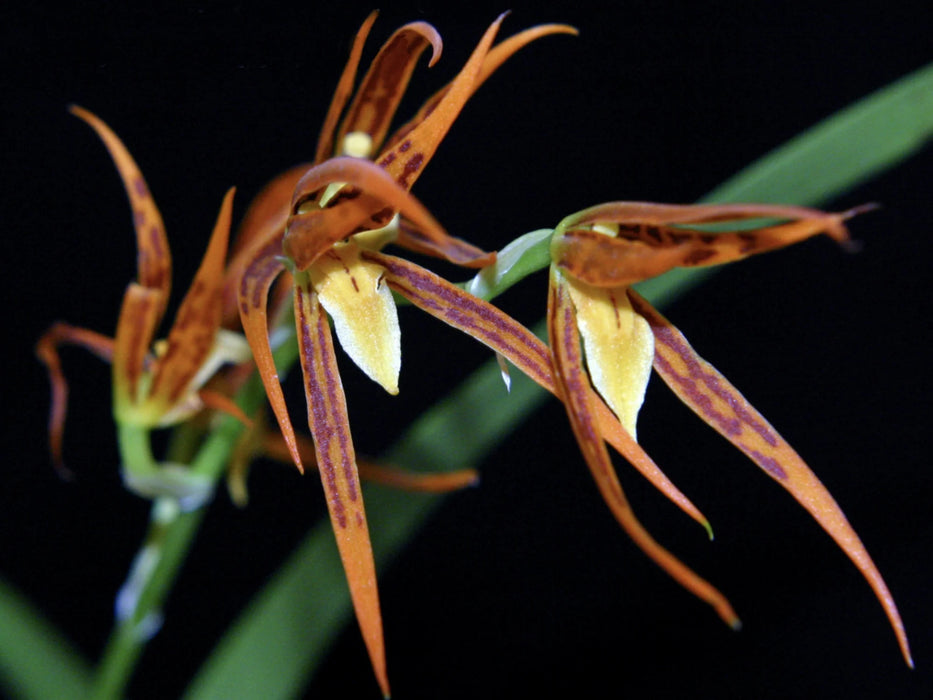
[[497, 55], [47, 352], [363, 310], [379, 94], [139, 316], [264, 266], [405, 160], [651, 239], [154, 262], [310, 234], [198, 319], [521, 347], [718, 403], [336, 459], [325, 143], [264, 220], [386, 474], [618, 344], [573, 389]]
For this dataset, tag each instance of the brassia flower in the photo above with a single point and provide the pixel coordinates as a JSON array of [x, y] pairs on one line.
[[597, 255], [351, 202], [154, 384]]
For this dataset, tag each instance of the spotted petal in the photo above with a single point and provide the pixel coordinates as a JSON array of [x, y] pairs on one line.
[[521, 347], [336, 459], [648, 239], [701, 387], [574, 390]]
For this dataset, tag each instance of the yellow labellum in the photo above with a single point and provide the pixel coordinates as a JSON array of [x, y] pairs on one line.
[[618, 344], [363, 312]]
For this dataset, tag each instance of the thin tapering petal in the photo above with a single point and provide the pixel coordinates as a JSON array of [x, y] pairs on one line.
[[192, 336], [47, 352], [336, 460], [312, 233], [264, 266], [382, 88], [701, 387], [154, 263], [649, 239], [139, 316], [325, 143], [522, 348], [573, 389]]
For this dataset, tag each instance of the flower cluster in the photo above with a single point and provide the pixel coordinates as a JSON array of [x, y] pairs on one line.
[[316, 236]]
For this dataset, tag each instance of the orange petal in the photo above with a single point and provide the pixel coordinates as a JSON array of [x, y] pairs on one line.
[[198, 318], [497, 55], [521, 347], [139, 316], [47, 352], [312, 233], [259, 274], [154, 261], [327, 418], [264, 220], [224, 404], [325, 145], [379, 94], [386, 474], [649, 239], [406, 159], [575, 391], [719, 404]]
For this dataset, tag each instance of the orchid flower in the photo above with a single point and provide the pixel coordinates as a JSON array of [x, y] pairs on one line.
[[154, 384], [597, 255], [353, 201]]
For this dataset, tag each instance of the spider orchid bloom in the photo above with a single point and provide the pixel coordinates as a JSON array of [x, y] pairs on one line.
[[353, 201], [597, 255], [160, 384]]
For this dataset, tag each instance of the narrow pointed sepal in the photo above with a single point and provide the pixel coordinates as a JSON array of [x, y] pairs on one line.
[[336, 459], [573, 389], [154, 263], [194, 331], [264, 267], [504, 335], [701, 387]]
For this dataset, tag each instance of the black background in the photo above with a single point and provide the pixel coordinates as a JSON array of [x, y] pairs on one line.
[[524, 584]]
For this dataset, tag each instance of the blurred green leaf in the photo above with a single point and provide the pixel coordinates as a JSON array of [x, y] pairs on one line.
[[36, 661]]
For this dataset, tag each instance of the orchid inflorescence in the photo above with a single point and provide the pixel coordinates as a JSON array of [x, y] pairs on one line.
[[315, 235]]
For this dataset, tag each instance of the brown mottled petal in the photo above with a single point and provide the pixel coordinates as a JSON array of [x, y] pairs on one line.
[[406, 159], [573, 388], [336, 460], [47, 352], [447, 247], [154, 262], [325, 143], [504, 335], [379, 94], [497, 55], [257, 278], [264, 220], [139, 316], [718, 403], [647, 245], [198, 318], [311, 234]]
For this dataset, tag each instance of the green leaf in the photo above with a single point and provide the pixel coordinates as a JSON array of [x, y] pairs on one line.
[[286, 631], [36, 661]]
